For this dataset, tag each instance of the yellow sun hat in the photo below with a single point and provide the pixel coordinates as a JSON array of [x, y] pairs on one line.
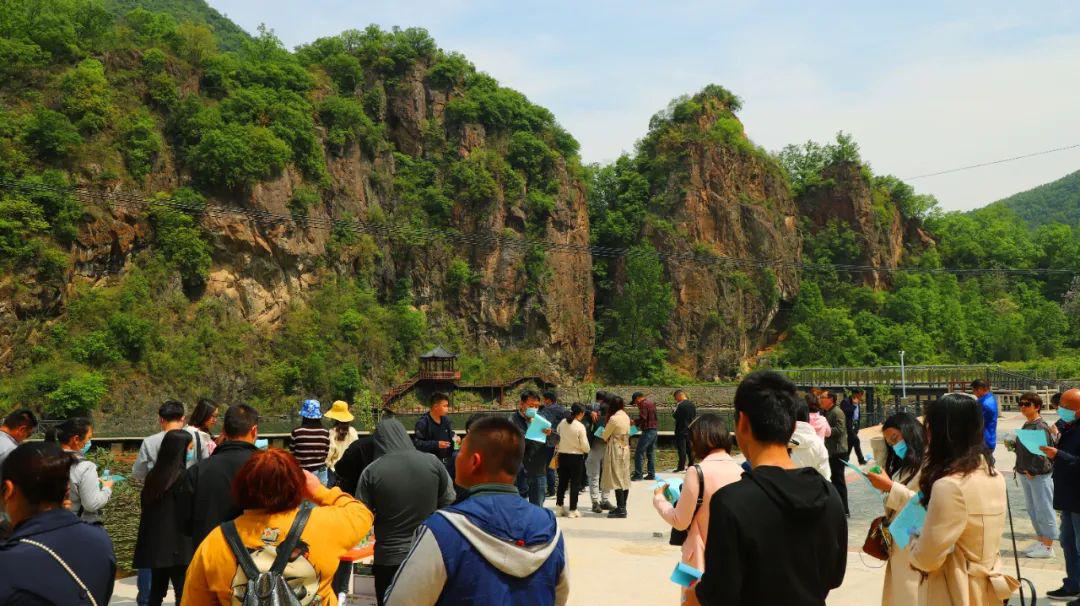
[[339, 412]]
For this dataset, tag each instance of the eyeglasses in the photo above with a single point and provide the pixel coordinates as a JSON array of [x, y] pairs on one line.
[[1022, 404]]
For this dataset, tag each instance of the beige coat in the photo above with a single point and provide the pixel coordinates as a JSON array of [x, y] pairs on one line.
[[616, 471], [901, 580], [961, 540]]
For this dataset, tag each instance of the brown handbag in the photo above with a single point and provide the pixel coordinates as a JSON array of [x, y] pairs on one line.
[[878, 541]]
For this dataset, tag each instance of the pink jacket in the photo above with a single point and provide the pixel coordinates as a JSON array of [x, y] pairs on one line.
[[719, 470], [820, 425]]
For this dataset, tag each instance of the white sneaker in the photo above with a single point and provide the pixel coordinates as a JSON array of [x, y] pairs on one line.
[[1039, 551], [573, 514]]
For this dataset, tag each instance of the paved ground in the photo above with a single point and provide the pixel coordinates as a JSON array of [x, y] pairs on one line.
[[629, 561]]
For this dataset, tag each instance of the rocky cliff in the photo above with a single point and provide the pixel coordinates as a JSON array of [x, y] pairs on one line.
[[848, 196]]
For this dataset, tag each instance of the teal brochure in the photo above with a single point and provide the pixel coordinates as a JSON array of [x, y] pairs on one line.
[[911, 518], [685, 574], [536, 429], [1032, 439]]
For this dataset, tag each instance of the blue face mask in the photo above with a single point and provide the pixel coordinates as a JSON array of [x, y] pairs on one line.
[[530, 412], [900, 448], [86, 447], [1066, 415], [190, 456]]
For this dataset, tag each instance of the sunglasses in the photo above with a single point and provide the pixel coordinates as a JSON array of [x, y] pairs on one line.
[[1022, 404]]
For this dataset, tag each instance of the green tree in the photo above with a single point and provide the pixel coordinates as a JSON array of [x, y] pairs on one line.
[[79, 394], [86, 96], [237, 156], [140, 144], [632, 346], [51, 134]]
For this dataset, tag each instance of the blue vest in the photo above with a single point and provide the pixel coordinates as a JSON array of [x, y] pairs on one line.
[[471, 579]]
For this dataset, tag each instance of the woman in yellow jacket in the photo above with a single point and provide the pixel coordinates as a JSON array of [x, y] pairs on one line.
[[270, 487], [616, 471], [959, 545]]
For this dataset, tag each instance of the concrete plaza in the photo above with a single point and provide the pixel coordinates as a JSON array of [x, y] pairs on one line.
[[624, 562]]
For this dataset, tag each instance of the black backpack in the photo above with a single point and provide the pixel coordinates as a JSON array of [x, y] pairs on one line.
[[268, 588]]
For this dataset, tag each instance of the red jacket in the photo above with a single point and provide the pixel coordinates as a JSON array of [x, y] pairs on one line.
[[647, 415]]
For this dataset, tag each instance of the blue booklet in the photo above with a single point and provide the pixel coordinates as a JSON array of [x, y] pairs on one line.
[[910, 518], [685, 574], [1032, 439], [672, 490], [536, 429], [634, 430], [599, 432]]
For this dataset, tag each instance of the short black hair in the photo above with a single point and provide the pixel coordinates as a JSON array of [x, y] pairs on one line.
[[500, 443], [529, 394], [1055, 399], [239, 419], [75, 427], [437, 397], [474, 417], [857, 390], [677, 392], [980, 384], [1032, 398], [767, 398], [550, 395], [23, 417], [708, 433], [602, 396], [171, 410], [40, 470], [636, 395]]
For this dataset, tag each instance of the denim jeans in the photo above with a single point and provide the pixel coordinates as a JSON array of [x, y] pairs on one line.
[[522, 483], [537, 489], [142, 583], [1039, 496], [1070, 544], [646, 445]]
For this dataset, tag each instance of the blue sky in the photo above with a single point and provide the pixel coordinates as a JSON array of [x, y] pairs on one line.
[[922, 87]]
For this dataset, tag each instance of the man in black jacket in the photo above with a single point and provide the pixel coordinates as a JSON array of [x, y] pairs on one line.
[[1066, 458], [353, 462], [685, 413], [211, 479], [778, 535], [836, 443], [532, 478], [852, 407], [434, 433]]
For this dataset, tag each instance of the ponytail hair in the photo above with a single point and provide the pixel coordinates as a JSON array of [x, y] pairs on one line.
[[575, 410], [71, 428]]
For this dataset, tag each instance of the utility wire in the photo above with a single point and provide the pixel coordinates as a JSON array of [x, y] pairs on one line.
[[1002, 161], [483, 238]]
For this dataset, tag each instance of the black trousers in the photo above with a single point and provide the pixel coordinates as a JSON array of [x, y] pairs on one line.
[[853, 444], [571, 477], [837, 468], [159, 583], [384, 575], [682, 446]]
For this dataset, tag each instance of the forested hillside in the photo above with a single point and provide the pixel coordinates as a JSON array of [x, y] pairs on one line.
[[1054, 202], [933, 315], [188, 209]]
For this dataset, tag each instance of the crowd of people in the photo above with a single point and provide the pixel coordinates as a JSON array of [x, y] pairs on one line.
[[463, 520]]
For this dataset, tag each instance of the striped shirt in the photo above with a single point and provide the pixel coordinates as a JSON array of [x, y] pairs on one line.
[[310, 445]]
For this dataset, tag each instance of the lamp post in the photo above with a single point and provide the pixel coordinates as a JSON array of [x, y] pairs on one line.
[[903, 377]]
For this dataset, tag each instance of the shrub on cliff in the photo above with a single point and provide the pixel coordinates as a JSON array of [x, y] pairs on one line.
[[235, 156]]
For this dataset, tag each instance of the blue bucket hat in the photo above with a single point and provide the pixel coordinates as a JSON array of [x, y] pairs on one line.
[[310, 409]]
